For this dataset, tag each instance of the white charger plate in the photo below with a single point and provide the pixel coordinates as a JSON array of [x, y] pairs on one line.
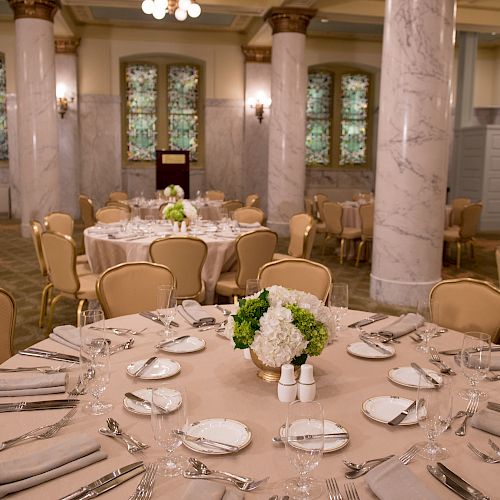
[[190, 344], [223, 430], [173, 399], [408, 377], [362, 350], [385, 408], [161, 368], [330, 427]]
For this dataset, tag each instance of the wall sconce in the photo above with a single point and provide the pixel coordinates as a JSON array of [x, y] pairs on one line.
[[62, 100], [259, 103]]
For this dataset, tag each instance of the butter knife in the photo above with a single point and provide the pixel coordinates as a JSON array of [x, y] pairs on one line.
[[375, 345], [399, 418], [138, 399], [39, 353], [333, 435], [368, 321], [172, 342], [148, 363], [52, 404], [209, 442], [424, 374]]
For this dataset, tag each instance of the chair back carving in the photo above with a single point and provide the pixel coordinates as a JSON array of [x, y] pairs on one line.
[[87, 211], [249, 215], [319, 200], [332, 212], [457, 205], [36, 236], [366, 215], [470, 220], [231, 205], [59, 222], [252, 200], [111, 214], [214, 195], [118, 196], [7, 324], [302, 232]]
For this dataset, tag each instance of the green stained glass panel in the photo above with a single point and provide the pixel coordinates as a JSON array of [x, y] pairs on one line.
[[183, 83], [3, 112], [141, 87]]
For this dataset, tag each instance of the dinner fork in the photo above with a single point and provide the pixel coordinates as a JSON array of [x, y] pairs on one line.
[[144, 490], [483, 456], [494, 446], [333, 489], [436, 360], [408, 455], [469, 412], [351, 491]]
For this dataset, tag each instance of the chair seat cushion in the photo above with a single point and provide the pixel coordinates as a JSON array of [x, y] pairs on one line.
[[280, 256], [87, 287], [351, 233], [320, 227], [452, 234], [226, 285], [83, 269], [82, 259]]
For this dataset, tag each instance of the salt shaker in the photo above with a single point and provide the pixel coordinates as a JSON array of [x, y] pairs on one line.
[[307, 385], [287, 387], [175, 227], [183, 227]]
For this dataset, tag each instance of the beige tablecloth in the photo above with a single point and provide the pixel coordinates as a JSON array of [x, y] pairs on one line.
[[221, 383]]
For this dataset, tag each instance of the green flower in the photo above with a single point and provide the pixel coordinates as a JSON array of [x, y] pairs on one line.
[[313, 330], [175, 212]]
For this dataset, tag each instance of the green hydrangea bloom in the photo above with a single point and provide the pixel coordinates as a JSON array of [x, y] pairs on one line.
[[313, 331], [246, 320], [175, 212]]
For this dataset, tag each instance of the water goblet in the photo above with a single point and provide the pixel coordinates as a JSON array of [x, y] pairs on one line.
[[338, 300], [474, 359], [166, 307], [428, 330], [252, 286]]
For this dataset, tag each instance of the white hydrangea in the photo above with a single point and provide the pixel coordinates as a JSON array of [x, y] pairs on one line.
[[174, 191], [189, 209]]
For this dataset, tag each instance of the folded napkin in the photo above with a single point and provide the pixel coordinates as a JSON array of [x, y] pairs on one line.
[[487, 420], [208, 490], [196, 314], [69, 453], [66, 335], [248, 224], [406, 323], [392, 480], [39, 383]]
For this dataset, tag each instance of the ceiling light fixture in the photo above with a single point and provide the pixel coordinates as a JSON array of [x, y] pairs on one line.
[[180, 9]]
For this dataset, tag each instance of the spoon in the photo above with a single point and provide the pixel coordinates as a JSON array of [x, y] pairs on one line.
[[355, 466], [122, 347], [201, 468], [353, 474], [114, 427]]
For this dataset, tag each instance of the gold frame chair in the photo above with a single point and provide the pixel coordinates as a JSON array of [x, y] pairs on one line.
[[87, 213], [59, 222], [118, 196], [231, 205], [366, 215], [214, 195], [457, 205], [7, 324], [252, 200], [302, 233], [249, 215], [111, 214]]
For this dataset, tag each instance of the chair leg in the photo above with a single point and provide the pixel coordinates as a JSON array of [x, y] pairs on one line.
[[323, 246], [471, 250], [79, 310], [360, 248], [52, 308], [459, 253], [342, 244], [235, 300], [43, 306]]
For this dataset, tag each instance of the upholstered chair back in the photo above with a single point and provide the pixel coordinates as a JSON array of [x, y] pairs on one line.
[[231, 205], [470, 220], [332, 213], [36, 236], [319, 200], [59, 222], [87, 211], [117, 196], [214, 195], [252, 200], [366, 215], [457, 205], [111, 214], [301, 226], [249, 215], [7, 323]]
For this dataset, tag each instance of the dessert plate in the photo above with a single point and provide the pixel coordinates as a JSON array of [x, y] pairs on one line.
[[173, 399], [385, 408], [161, 368], [408, 377], [362, 350], [189, 344]]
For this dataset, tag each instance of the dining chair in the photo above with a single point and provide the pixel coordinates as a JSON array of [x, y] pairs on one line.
[[250, 215], [297, 274], [309, 206], [465, 232], [252, 200], [59, 222], [118, 196], [231, 205], [59, 251], [252, 251], [7, 324], [214, 195], [466, 305], [87, 213], [131, 287], [319, 200], [302, 232], [457, 205], [110, 214], [366, 216], [497, 255], [185, 256]]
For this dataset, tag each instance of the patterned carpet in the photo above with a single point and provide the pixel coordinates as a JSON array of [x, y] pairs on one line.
[[20, 274]]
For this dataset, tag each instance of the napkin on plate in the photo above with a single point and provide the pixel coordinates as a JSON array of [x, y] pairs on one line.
[[66, 335], [392, 480], [207, 490], [69, 453], [487, 420], [406, 323], [39, 383], [195, 313]]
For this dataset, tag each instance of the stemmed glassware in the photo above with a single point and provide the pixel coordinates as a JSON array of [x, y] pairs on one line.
[[252, 286], [434, 413], [166, 307], [304, 454], [428, 330], [475, 358], [339, 302]]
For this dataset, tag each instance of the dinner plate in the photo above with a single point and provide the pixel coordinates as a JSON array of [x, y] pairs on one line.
[[408, 377], [223, 430], [173, 399], [161, 368], [330, 427], [362, 350], [385, 408], [190, 344]]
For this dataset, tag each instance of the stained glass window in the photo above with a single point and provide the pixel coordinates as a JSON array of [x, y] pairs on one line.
[[318, 118], [141, 81], [3, 112], [353, 125], [183, 109]]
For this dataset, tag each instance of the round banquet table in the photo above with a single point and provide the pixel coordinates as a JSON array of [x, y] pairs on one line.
[[221, 383]]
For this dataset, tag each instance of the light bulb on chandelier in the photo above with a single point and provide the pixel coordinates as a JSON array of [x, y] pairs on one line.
[[180, 9]]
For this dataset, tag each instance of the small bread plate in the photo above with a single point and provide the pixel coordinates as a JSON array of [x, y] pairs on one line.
[[330, 427], [408, 377], [173, 399], [385, 408], [189, 344], [222, 430], [161, 368], [362, 350]]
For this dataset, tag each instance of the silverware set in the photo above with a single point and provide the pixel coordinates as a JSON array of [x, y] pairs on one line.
[[48, 370], [117, 330], [350, 491], [144, 490], [57, 356], [472, 407], [83, 381], [436, 360], [113, 430], [122, 347], [50, 404], [484, 456]]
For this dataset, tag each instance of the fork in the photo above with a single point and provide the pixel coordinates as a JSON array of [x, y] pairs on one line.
[[144, 490], [81, 386], [436, 360], [494, 446], [483, 456], [351, 491], [469, 412], [408, 455], [333, 489]]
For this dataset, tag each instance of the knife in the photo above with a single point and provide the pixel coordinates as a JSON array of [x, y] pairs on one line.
[[171, 342], [148, 363], [102, 480], [38, 353], [368, 321], [138, 399], [38, 405], [493, 406], [209, 442], [454, 352], [333, 435], [399, 418], [424, 374], [375, 345], [156, 319]]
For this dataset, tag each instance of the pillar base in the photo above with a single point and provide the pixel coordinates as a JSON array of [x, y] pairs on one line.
[[281, 228]]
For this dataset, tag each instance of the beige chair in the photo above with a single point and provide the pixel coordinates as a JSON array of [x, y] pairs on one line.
[[59, 222], [302, 233], [87, 213], [59, 251], [366, 215], [111, 214], [231, 205], [332, 213], [7, 324], [465, 232], [366, 197], [457, 205], [309, 206], [131, 287], [215, 195], [252, 251], [252, 200], [467, 305], [497, 254], [250, 215], [185, 257], [318, 201], [118, 196], [297, 274]]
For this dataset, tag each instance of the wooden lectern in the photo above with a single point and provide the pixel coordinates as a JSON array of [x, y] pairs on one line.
[[172, 167]]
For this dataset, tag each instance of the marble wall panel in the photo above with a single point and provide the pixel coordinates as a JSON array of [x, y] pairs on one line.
[[339, 185], [14, 177]]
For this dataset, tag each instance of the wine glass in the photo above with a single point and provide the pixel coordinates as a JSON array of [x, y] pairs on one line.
[[475, 358], [252, 286], [304, 418], [434, 411], [428, 330], [339, 302], [169, 420], [166, 307]]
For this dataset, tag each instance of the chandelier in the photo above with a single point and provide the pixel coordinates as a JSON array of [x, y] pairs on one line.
[[180, 9]]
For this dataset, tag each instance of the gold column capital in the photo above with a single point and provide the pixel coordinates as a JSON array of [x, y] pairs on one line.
[[36, 9], [289, 19], [66, 45], [259, 54]]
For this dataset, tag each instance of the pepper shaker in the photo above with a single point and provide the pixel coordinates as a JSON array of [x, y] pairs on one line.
[[307, 385], [287, 387]]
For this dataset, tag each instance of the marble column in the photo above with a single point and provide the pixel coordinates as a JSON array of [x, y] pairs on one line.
[[256, 134], [287, 124], [412, 150], [68, 130], [36, 105]]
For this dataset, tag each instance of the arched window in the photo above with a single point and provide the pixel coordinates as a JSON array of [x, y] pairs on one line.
[[4, 152]]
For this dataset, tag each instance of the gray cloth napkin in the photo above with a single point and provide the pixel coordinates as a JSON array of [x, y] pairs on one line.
[[196, 314], [70, 453], [487, 420], [406, 323], [53, 383], [208, 490], [392, 480], [67, 335]]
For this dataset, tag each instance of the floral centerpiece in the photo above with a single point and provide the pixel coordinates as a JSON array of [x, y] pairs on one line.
[[280, 326], [174, 191], [179, 211]]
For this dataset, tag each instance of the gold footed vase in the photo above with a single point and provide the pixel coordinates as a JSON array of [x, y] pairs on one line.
[[268, 373]]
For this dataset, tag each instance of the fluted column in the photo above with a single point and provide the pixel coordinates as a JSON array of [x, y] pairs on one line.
[[36, 101], [287, 125], [413, 143]]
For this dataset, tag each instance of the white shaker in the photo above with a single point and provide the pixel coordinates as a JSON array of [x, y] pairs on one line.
[[287, 387], [175, 226], [183, 227], [307, 385]]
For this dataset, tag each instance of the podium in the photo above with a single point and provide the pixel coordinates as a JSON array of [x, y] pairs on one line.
[[172, 167]]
